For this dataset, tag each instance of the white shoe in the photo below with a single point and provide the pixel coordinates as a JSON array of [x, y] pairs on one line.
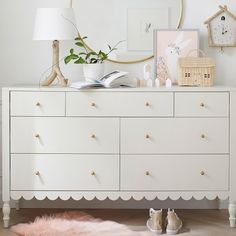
[[154, 223], [174, 224]]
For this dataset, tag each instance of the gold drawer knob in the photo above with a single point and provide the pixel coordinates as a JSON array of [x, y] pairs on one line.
[[147, 136], [147, 104], [202, 104], [37, 136], [37, 173], [203, 136], [93, 173], [147, 173], [38, 104], [93, 136], [93, 104], [202, 173]]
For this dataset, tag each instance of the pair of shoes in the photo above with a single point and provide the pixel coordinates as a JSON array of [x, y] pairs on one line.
[[173, 223]]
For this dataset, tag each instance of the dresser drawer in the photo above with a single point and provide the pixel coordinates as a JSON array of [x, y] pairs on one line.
[[170, 173], [174, 135], [64, 135], [202, 104], [64, 172], [37, 104], [119, 104]]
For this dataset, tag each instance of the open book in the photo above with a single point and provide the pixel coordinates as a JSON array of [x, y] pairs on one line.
[[114, 79]]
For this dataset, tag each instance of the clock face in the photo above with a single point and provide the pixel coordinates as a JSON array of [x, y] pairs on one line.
[[223, 31]]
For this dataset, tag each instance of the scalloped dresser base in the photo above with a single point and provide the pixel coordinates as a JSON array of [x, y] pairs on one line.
[[16, 195]]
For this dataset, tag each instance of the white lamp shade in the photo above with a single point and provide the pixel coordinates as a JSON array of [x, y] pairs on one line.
[[55, 24]]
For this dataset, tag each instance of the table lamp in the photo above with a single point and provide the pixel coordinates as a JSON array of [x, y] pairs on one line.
[[55, 24]]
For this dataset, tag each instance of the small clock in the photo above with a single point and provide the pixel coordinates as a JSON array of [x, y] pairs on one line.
[[222, 29]]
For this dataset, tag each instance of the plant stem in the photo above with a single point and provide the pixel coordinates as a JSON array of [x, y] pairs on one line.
[[115, 46], [77, 32]]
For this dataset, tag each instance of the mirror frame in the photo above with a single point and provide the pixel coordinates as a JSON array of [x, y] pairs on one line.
[[145, 58]]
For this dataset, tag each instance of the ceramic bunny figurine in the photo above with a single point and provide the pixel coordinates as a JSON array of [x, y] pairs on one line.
[[172, 53], [147, 80]]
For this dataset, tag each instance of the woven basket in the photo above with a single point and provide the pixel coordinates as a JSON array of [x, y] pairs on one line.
[[196, 71]]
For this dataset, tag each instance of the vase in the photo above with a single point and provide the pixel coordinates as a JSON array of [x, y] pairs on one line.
[[93, 71]]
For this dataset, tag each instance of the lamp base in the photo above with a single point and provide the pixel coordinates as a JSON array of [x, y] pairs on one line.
[[56, 71]]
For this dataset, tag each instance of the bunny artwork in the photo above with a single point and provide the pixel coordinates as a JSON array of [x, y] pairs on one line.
[[173, 51]]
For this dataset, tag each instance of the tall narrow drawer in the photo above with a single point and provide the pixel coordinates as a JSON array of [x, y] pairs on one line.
[[92, 103], [64, 135], [37, 104], [170, 173], [202, 104], [174, 135], [64, 172]]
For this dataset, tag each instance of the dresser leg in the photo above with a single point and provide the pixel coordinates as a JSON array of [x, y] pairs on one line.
[[17, 205], [6, 214], [232, 214]]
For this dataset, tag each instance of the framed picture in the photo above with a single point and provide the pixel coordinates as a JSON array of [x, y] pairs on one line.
[[140, 26], [169, 45]]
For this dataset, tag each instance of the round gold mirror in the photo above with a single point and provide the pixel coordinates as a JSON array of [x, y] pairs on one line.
[[130, 22]]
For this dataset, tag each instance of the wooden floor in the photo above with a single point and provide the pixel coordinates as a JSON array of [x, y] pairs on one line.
[[196, 222]]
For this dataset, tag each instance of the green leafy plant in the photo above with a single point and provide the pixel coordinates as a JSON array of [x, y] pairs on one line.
[[85, 56]]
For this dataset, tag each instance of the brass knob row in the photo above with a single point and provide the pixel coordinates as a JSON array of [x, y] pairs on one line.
[[147, 173], [92, 173], [93, 104], [203, 136], [38, 136], [147, 136]]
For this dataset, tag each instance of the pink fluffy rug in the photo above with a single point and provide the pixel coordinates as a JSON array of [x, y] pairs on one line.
[[73, 223]]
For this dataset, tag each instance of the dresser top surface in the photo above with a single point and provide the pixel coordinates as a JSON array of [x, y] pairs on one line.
[[161, 89]]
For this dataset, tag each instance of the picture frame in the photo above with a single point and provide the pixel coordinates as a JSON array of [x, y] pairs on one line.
[[141, 24], [169, 45]]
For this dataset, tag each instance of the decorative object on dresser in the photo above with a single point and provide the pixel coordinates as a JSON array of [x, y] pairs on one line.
[[93, 62], [54, 24], [115, 79], [196, 71], [119, 143], [169, 45], [147, 80], [222, 29]]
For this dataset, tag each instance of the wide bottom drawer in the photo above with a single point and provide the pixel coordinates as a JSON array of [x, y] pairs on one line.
[[64, 172], [174, 172]]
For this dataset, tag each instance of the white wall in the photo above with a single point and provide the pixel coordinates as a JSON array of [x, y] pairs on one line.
[[23, 60]]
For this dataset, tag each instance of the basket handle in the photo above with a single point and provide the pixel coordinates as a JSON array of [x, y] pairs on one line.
[[203, 54]]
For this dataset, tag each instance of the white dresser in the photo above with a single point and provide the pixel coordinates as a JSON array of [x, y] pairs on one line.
[[60, 142]]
